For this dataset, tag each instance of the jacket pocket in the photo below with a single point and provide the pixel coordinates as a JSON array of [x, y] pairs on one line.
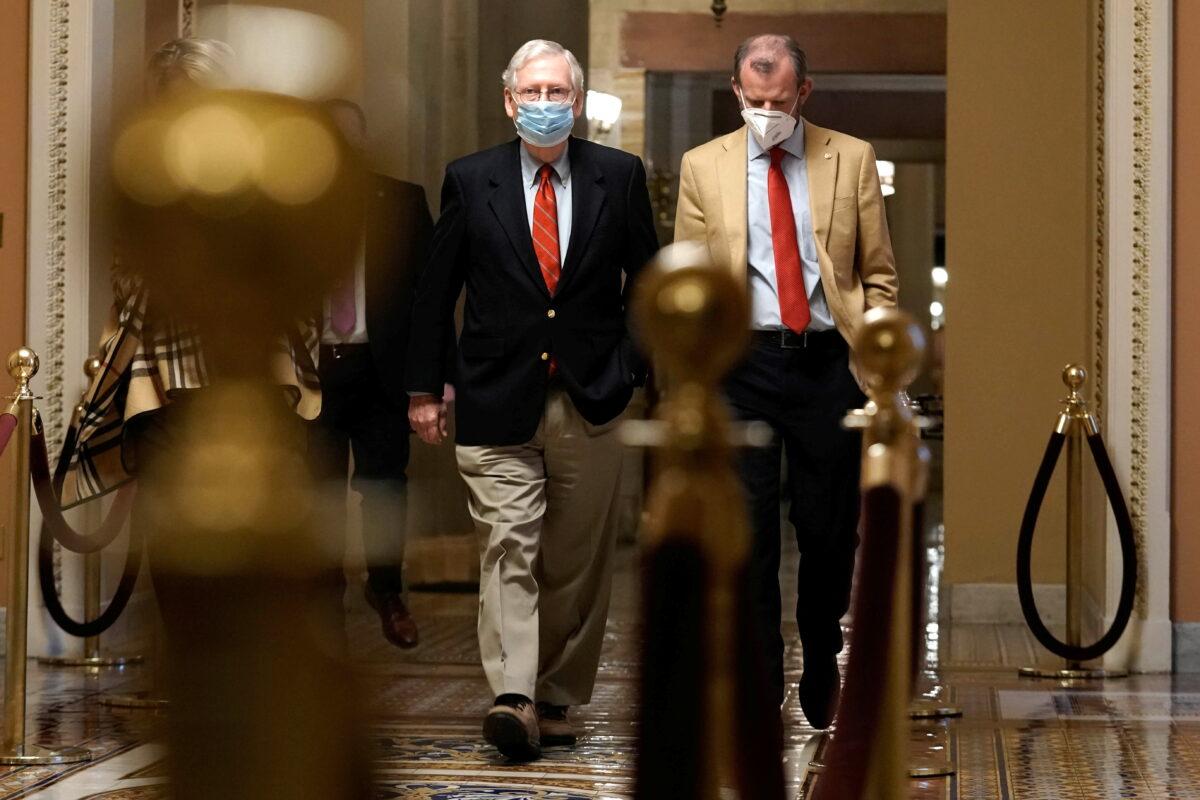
[[480, 347], [849, 201]]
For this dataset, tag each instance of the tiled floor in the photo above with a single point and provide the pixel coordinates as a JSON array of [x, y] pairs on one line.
[[1136, 738]]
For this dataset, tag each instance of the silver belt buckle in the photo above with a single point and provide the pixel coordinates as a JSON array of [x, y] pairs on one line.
[[783, 340]]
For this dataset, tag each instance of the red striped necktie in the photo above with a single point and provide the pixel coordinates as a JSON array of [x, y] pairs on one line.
[[545, 235], [545, 229]]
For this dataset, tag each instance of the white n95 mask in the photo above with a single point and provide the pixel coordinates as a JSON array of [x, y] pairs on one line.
[[768, 127]]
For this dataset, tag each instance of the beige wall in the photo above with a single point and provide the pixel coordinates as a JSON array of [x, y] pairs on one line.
[[14, 80], [1185, 490], [607, 74], [1017, 221]]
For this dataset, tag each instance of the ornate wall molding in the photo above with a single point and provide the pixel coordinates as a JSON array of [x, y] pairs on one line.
[[187, 14], [52, 355], [1135, 322], [1099, 208], [1141, 367]]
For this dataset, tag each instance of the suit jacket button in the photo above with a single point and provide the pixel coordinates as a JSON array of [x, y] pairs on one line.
[[551, 314], [545, 356]]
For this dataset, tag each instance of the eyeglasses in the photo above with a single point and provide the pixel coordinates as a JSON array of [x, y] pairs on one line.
[[555, 95]]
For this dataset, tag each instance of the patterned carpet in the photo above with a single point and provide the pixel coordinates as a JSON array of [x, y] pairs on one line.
[[1028, 739]]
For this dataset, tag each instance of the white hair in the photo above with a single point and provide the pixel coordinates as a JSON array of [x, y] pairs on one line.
[[536, 48], [203, 62]]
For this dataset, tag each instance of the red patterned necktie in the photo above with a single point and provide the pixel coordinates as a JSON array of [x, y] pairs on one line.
[[545, 229], [789, 271], [545, 235]]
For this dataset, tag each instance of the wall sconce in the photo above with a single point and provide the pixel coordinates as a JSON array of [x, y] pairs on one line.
[[603, 110], [719, 7], [887, 177]]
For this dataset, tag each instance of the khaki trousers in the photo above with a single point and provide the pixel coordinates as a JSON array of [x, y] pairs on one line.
[[545, 513]]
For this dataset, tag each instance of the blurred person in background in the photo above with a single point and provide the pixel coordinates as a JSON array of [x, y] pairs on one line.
[[364, 406]]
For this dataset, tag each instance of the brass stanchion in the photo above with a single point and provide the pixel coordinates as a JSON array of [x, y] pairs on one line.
[[22, 366], [708, 729], [1075, 422], [92, 578], [867, 752]]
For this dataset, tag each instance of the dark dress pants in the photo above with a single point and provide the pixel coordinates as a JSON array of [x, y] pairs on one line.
[[357, 417], [802, 393]]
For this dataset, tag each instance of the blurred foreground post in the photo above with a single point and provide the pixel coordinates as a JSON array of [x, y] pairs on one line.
[[708, 729]]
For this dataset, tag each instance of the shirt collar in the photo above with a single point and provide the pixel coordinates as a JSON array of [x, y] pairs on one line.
[[793, 145], [530, 166]]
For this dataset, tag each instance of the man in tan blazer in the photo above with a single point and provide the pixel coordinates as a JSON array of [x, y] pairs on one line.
[[796, 211]]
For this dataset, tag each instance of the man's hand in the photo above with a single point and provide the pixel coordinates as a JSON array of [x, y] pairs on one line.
[[427, 415]]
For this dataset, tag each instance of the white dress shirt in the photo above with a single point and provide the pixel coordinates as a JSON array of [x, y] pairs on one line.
[[562, 193], [764, 290], [359, 334]]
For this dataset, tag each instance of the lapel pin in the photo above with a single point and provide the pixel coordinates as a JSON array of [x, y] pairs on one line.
[[829, 155]]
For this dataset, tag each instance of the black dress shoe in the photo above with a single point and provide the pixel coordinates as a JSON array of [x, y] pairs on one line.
[[820, 690], [399, 627]]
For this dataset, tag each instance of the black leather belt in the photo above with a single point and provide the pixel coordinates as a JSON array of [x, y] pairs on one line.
[[790, 340], [337, 351]]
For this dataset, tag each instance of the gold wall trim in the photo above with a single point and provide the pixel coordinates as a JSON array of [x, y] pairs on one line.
[[1140, 289]]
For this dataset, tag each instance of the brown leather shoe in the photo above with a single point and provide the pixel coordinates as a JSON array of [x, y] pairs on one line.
[[399, 627], [512, 726], [556, 729]]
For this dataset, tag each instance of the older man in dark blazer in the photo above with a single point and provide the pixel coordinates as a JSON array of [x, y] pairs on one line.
[[547, 233]]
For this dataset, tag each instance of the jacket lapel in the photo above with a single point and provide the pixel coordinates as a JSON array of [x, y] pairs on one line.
[[587, 198], [822, 163], [507, 202], [731, 178]]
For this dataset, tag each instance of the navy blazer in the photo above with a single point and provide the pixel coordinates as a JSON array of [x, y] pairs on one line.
[[482, 241]]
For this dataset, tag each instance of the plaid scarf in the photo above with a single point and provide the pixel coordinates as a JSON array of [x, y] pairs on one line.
[[142, 366]]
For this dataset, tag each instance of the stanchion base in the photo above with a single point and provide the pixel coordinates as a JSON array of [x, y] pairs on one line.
[[932, 769], [143, 700], [924, 710], [36, 755], [97, 662], [1072, 673]]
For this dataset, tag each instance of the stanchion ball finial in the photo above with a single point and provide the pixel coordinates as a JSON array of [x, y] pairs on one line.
[[1074, 376], [891, 347], [92, 367], [23, 365], [690, 313]]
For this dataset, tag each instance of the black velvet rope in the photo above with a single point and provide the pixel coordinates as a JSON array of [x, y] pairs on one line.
[[1116, 499], [120, 599], [54, 527], [47, 491]]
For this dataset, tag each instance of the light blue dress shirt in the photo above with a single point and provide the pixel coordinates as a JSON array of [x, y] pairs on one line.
[[764, 290], [561, 181]]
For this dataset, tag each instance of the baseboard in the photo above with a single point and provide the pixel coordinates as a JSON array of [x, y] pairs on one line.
[[998, 603], [1185, 638]]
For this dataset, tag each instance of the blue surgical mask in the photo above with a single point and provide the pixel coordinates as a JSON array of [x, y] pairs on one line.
[[543, 123]]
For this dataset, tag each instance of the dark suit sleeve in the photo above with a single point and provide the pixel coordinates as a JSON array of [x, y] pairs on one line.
[[428, 365], [643, 244]]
